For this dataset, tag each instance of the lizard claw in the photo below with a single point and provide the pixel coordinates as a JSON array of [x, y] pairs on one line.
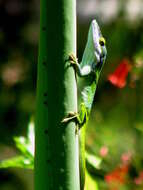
[[69, 117], [72, 116], [73, 60]]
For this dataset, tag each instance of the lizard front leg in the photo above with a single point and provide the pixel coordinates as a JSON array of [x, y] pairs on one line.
[[82, 72]]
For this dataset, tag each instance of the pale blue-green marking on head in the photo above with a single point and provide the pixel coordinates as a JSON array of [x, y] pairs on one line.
[[93, 49]]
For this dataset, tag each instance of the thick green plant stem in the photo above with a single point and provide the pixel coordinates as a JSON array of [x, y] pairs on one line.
[[56, 154]]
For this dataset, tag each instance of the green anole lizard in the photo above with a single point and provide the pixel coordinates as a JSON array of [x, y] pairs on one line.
[[88, 72]]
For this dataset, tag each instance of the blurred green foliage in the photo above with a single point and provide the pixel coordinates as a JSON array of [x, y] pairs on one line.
[[26, 147]]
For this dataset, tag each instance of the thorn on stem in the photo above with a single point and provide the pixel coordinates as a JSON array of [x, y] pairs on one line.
[[46, 131], [45, 94], [45, 103], [43, 28]]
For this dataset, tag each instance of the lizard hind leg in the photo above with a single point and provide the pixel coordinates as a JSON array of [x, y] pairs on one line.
[[70, 116], [82, 114], [80, 117]]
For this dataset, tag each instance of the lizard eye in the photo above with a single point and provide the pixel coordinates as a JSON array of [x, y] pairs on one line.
[[102, 41]]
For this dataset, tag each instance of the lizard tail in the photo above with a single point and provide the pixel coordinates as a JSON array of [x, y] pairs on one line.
[[82, 158]]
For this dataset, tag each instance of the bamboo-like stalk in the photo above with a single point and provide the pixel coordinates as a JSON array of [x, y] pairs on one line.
[[56, 154]]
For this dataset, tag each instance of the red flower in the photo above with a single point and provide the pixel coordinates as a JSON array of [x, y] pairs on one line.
[[118, 175], [118, 77]]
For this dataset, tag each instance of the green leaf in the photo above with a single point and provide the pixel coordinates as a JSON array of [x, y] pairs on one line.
[[26, 144], [18, 161], [90, 183], [31, 138], [93, 160], [21, 144], [26, 147]]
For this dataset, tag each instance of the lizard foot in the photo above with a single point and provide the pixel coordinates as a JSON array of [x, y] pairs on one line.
[[73, 60], [70, 116]]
